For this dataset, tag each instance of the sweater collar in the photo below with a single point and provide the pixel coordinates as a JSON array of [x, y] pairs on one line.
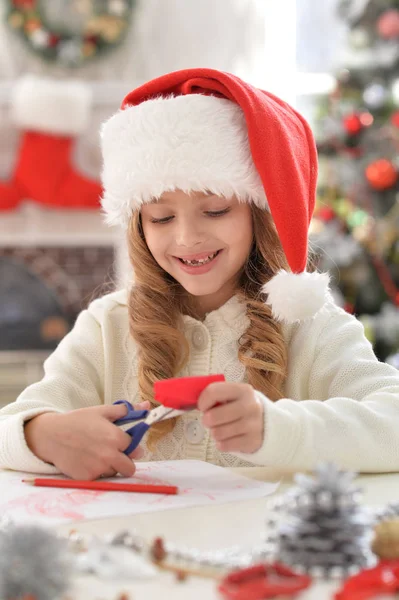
[[231, 315]]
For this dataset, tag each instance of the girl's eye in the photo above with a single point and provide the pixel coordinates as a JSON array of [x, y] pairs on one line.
[[217, 213], [160, 221], [209, 213]]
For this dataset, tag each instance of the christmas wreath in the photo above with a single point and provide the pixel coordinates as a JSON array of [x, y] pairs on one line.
[[105, 29]]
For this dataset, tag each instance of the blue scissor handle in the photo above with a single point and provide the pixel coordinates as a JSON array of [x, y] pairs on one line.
[[137, 432], [132, 415]]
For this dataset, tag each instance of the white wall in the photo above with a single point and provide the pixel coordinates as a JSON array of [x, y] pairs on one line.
[[254, 39]]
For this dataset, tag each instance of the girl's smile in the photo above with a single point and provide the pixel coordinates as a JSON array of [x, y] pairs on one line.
[[202, 240], [198, 264]]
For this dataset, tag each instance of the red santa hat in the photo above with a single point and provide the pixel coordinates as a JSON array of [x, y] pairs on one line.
[[202, 129]]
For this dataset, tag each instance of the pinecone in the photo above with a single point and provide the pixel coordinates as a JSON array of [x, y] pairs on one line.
[[325, 532]]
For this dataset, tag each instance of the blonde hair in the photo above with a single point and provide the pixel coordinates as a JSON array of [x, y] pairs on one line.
[[157, 303]]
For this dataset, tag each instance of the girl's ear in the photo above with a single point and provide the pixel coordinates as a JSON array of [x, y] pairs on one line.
[[296, 297]]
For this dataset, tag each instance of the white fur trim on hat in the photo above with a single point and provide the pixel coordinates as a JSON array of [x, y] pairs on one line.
[[192, 143], [295, 297], [51, 106]]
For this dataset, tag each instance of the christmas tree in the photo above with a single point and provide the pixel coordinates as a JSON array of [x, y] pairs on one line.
[[355, 230]]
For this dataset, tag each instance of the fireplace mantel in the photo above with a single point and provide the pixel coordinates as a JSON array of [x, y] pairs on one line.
[[34, 225]]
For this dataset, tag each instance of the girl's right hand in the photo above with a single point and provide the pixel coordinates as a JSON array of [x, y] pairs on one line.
[[84, 443]]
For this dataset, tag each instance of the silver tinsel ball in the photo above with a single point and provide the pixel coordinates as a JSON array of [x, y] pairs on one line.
[[33, 562], [375, 95]]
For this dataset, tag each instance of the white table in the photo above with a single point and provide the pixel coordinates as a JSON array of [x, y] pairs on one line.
[[208, 528]]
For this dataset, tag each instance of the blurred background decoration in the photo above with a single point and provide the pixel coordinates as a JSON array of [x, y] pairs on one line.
[[94, 28], [65, 66], [357, 129]]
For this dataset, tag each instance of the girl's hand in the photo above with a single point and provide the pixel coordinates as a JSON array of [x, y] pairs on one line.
[[84, 443], [237, 424]]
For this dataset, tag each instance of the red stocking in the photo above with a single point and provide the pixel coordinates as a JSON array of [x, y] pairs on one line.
[[51, 113]]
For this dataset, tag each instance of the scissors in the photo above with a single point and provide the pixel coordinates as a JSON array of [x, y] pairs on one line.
[[176, 396]]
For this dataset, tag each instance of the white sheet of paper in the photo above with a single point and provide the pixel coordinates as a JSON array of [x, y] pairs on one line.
[[199, 484]]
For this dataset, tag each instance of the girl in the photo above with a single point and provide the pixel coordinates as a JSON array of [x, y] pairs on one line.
[[215, 182]]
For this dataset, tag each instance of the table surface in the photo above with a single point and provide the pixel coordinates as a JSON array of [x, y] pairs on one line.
[[209, 528]]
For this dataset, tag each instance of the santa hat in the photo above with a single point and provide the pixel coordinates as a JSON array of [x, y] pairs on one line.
[[202, 129]]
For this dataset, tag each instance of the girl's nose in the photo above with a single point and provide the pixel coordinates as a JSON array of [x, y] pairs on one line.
[[189, 233]]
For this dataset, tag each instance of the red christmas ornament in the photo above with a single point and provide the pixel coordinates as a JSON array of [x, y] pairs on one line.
[[366, 119], [53, 40], [355, 152], [349, 308], [93, 39], [326, 214], [31, 25], [353, 123], [381, 174], [388, 24], [395, 118], [24, 3]]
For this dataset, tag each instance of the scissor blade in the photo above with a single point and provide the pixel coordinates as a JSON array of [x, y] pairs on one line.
[[161, 413]]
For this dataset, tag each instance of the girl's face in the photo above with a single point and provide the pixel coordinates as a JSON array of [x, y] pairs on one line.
[[201, 240]]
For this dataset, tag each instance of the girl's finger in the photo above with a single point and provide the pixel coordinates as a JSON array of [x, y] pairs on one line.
[[231, 430], [108, 473], [226, 413], [146, 405], [220, 392], [113, 412], [123, 465], [137, 453]]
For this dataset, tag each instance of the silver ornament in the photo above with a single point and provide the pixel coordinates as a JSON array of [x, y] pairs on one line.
[[375, 95], [113, 562], [33, 562]]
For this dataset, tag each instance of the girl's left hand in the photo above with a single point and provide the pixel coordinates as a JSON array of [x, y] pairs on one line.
[[237, 423]]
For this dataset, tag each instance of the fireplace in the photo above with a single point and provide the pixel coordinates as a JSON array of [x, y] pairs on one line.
[[42, 290]]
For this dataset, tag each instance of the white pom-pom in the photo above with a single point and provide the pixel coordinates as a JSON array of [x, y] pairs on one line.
[[295, 297]]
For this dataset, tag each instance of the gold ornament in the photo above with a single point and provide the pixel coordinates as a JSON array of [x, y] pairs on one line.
[[109, 28], [386, 540], [88, 49], [16, 20], [113, 30], [32, 25]]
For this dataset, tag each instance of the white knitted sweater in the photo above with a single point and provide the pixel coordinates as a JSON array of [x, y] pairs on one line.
[[340, 403]]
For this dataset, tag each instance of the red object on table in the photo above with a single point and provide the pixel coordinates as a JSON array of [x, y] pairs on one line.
[[382, 579], [182, 393], [107, 486], [263, 581]]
